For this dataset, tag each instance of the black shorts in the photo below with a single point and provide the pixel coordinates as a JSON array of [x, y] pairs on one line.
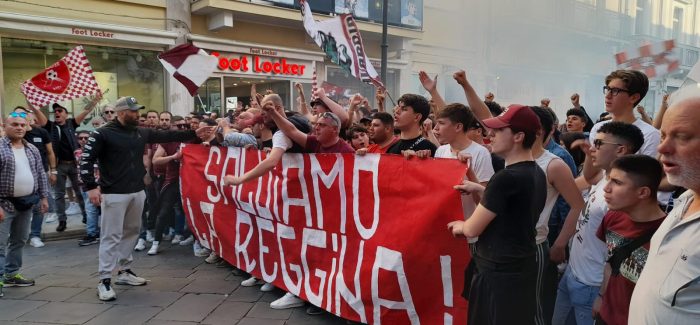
[[497, 297]]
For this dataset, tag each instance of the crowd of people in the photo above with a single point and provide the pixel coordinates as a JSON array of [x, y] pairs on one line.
[[578, 222]]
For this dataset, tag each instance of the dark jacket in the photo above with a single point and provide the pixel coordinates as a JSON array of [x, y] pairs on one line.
[[119, 150]]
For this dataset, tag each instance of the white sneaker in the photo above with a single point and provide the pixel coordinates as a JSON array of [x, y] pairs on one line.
[[252, 281], [188, 241], [73, 208], [267, 287], [50, 217], [154, 248], [176, 239], [149, 236], [168, 237], [36, 242], [128, 277], [212, 258], [287, 301], [105, 291], [140, 245]]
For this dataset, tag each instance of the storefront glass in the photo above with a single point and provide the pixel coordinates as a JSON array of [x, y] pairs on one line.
[[118, 71]]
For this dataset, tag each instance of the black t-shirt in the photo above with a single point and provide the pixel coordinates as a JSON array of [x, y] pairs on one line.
[[40, 139], [517, 195], [63, 139], [497, 162], [415, 144]]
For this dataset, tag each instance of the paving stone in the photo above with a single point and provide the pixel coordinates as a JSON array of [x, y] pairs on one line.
[[21, 292], [300, 317], [246, 294], [90, 296], [219, 274], [260, 321], [164, 284], [208, 285], [125, 315], [55, 294], [148, 298], [64, 313], [263, 310], [59, 280], [227, 311], [170, 273], [191, 308], [169, 322], [11, 309], [272, 295]]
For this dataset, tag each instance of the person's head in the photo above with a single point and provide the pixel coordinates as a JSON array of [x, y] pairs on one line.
[[547, 122], [633, 179], [567, 139], [575, 120], [177, 122], [31, 119], [194, 121], [275, 101], [453, 122], [494, 108], [514, 130], [366, 122], [358, 137], [680, 140], [489, 97], [97, 122], [244, 120], [60, 114], [16, 126], [214, 115], [544, 102], [476, 132], [327, 128], [623, 90], [108, 113], [165, 120], [604, 117], [204, 123], [382, 127], [142, 119], [410, 112], [127, 109], [152, 118], [188, 117], [318, 106], [83, 137], [613, 140]]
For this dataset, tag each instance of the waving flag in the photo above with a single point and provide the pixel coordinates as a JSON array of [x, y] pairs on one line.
[[340, 39], [70, 77], [654, 60], [190, 65]]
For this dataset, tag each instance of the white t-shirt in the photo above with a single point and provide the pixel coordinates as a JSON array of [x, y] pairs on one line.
[[24, 180], [588, 253], [279, 140], [480, 162], [542, 227], [652, 137]]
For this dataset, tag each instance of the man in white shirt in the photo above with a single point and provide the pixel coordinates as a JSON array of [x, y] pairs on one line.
[[668, 289]]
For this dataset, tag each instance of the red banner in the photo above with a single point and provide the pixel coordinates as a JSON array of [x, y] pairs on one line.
[[365, 238]]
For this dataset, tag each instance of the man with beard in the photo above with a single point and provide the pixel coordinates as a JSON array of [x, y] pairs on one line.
[[381, 132], [119, 147]]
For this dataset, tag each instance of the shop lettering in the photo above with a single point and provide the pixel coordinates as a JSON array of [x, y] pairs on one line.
[[259, 65], [263, 52], [91, 32]]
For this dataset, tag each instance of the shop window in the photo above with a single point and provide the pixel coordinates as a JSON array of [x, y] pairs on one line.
[[118, 71], [208, 97]]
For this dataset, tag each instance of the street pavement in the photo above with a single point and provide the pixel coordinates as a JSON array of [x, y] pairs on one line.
[[181, 289]]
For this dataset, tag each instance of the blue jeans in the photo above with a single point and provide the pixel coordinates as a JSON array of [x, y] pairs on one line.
[[37, 221], [93, 217], [574, 301], [14, 233]]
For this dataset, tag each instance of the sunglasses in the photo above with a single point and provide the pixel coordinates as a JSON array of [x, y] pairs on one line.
[[18, 114], [83, 138], [181, 126], [109, 112], [598, 143]]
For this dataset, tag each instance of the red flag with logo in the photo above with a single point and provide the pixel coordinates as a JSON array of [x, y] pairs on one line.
[[70, 77]]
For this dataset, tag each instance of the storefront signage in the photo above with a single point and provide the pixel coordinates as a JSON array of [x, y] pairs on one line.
[[260, 65], [91, 32], [260, 51]]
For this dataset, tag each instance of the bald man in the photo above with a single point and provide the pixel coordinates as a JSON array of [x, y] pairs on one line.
[[668, 289]]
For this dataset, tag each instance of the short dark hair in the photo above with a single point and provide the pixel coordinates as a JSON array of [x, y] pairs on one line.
[[208, 121], [644, 171], [577, 112], [546, 120], [635, 81], [355, 128], [494, 108], [418, 103], [143, 115], [152, 111], [82, 131], [628, 133], [458, 113], [166, 112], [568, 139], [384, 117]]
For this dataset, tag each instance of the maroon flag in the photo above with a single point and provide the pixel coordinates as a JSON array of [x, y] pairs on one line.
[[190, 65]]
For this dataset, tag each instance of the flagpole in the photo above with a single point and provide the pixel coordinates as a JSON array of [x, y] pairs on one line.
[[385, 46]]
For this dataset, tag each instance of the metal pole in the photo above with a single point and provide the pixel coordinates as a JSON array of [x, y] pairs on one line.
[[385, 46]]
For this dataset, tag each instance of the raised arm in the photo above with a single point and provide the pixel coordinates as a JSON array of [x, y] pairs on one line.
[[303, 107], [381, 97], [285, 126], [561, 178], [272, 159], [354, 105], [41, 119], [333, 106], [481, 111], [430, 85], [660, 114], [88, 109]]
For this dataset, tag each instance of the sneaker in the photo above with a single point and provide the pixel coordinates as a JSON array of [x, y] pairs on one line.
[[252, 281], [88, 240], [73, 208], [61, 226], [212, 258], [287, 301], [154, 248], [18, 280], [128, 277], [36, 242], [105, 291], [188, 241], [267, 287], [313, 310], [149, 236], [168, 237], [176, 239], [50, 217], [140, 245]]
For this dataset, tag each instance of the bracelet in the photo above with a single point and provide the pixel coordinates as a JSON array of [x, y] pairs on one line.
[[53, 172]]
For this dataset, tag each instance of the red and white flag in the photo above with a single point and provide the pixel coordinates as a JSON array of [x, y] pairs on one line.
[[654, 60], [70, 77], [190, 65]]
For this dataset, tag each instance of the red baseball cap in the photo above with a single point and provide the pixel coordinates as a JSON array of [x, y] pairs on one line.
[[519, 118]]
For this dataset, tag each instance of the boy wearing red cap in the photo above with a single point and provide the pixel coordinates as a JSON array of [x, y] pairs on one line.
[[502, 286]]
